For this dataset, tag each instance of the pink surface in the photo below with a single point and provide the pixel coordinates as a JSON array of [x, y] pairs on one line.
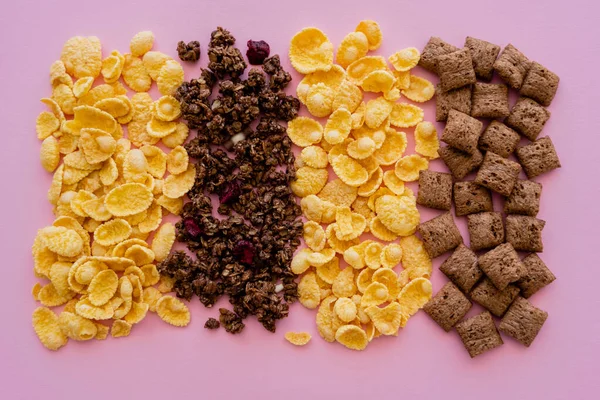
[[160, 361]]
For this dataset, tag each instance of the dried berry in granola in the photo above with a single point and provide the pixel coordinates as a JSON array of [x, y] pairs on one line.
[[189, 52], [258, 51]]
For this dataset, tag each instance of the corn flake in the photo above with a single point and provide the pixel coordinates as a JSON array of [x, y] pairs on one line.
[[414, 256], [393, 183], [82, 56], [319, 100], [324, 319], [311, 51], [135, 74], [141, 43], [392, 148], [47, 327], [112, 232], [352, 336], [304, 131], [405, 59], [312, 208], [173, 311], [399, 214], [332, 78], [329, 271], [153, 62], [76, 327], [349, 171], [426, 140], [87, 310], [373, 254], [46, 124], [120, 328], [128, 199], [420, 90], [348, 96], [378, 81], [345, 309], [50, 154], [309, 291], [298, 338], [170, 77], [343, 284], [361, 68], [380, 231], [405, 115], [372, 31], [338, 126], [309, 181], [414, 296], [391, 255], [387, 320], [408, 167], [358, 116], [314, 236], [354, 46]]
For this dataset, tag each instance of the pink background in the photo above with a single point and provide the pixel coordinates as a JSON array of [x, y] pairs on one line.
[[160, 361]]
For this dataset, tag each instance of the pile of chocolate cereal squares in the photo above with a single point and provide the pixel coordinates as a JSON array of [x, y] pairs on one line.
[[498, 279], [109, 191], [366, 298]]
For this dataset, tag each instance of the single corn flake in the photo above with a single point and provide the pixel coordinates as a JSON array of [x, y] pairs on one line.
[[391, 255], [345, 309], [310, 51], [349, 171], [137, 313], [135, 74], [405, 115], [393, 183], [115, 106], [163, 241], [50, 154], [157, 161], [420, 90], [309, 291], [173, 311], [405, 59], [167, 108], [364, 279], [414, 256], [304, 131], [314, 236], [340, 246], [120, 328], [128, 199], [300, 262], [151, 275], [358, 116], [82, 56], [170, 77], [178, 137], [141, 43], [314, 156], [46, 124], [318, 258], [332, 78], [50, 297], [343, 285], [151, 296], [402, 80], [62, 241], [372, 31], [298, 338], [46, 326], [329, 271], [372, 185], [112, 232], [338, 126], [361, 148], [375, 294], [352, 336], [319, 100], [408, 167], [380, 231], [324, 318], [399, 214], [348, 96], [377, 112], [87, 310], [359, 69], [414, 296], [76, 327], [378, 81], [387, 320], [178, 185], [353, 46], [309, 181], [159, 129], [153, 219], [354, 257], [392, 149], [388, 277], [177, 160], [112, 67], [426, 140], [373, 255], [153, 62]]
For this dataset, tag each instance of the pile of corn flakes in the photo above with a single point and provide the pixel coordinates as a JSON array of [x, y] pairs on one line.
[[361, 143], [109, 192]]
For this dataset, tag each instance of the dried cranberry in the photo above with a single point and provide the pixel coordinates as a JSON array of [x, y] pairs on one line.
[[230, 193], [244, 251], [191, 227], [257, 51]]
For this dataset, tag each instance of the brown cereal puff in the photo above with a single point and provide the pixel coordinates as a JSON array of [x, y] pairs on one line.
[[462, 268], [528, 118], [524, 199], [479, 334], [540, 84], [525, 233], [512, 66], [486, 230], [456, 70], [490, 100], [538, 157], [448, 306], [434, 47], [471, 198], [439, 235], [537, 277], [502, 265], [498, 174], [457, 99], [499, 138], [494, 300], [523, 321], [484, 55], [462, 131], [458, 162], [435, 190]]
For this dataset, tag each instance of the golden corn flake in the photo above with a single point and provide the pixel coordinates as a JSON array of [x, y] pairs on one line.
[[408, 167], [135, 74], [140, 255], [178, 185], [391, 255], [128, 199], [375, 294], [300, 262], [178, 137], [373, 198], [298, 338], [309, 181], [47, 328], [373, 255], [310, 51], [313, 156], [343, 284], [329, 271], [372, 31], [82, 56], [388, 277], [55, 108], [405, 59], [352, 336], [361, 148], [393, 183], [151, 296], [95, 94], [112, 232], [92, 118], [380, 231], [50, 297], [420, 90], [392, 148], [63, 95], [359, 69], [115, 106], [46, 124], [332, 78], [426, 140], [137, 313], [170, 77], [338, 149], [378, 81], [163, 241], [354, 46], [338, 126], [318, 258], [120, 328], [358, 116], [340, 246], [50, 154], [309, 291], [345, 309], [372, 185], [399, 214], [151, 275], [152, 221], [414, 255], [304, 131], [405, 115], [393, 94], [167, 108], [354, 257], [349, 171], [173, 311], [87, 310], [141, 43], [77, 327], [157, 161], [402, 79], [314, 236], [177, 160], [414, 296], [319, 100], [159, 129], [348, 96], [154, 61], [324, 319], [112, 67], [62, 241], [387, 320], [58, 73]]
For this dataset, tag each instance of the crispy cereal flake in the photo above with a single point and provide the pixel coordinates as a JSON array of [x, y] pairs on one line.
[[352, 336], [298, 338], [173, 311], [311, 51], [372, 31], [47, 328], [408, 167], [405, 59]]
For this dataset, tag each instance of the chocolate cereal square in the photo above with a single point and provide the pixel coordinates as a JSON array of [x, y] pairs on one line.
[[462, 131], [462, 268], [525, 233], [471, 198], [524, 199], [538, 157], [458, 162], [434, 47], [528, 118], [435, 190], [457, 99], [523, 321], [439, 235], [486, 230], [448, 306], [484, 55], [512, 66], [456, 70], [540, 84], [538, 276], [498, 173], [494, 300], [490, 100], [479, 334], [502, 265], [499, 138]]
